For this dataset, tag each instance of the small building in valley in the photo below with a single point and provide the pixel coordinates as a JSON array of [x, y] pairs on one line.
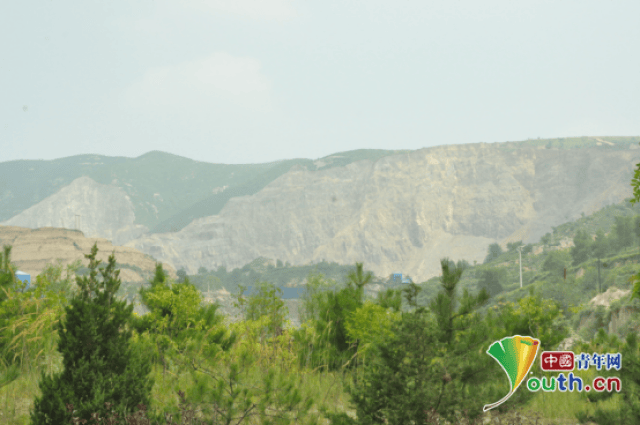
[[397, 278]]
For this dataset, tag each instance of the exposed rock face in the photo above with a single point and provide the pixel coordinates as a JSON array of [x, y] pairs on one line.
[[104, 211], [404, 212], [610, 295], [569, 342], [33, 249], [623, 317]]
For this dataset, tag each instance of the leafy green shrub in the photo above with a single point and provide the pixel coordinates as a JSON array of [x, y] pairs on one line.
[[624, 232], [264, 301], [555, 262], [492, 280], [494, 251], [532, 316], [513, 246]]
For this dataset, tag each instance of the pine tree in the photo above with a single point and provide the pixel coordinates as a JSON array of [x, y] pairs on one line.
[[624, 232], [159, 280], [432, 365], [358, 278], [100, 365], [601, 246], [583, 247], [401, 381], [328, 311]]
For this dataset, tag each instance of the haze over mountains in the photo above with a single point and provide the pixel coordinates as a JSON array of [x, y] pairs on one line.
[[394, 210]]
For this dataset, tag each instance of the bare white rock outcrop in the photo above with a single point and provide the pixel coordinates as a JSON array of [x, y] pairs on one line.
[[96, 209], [403, 212]]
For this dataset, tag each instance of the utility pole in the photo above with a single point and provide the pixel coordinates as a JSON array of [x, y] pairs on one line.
[[520, 250], [599, 283]]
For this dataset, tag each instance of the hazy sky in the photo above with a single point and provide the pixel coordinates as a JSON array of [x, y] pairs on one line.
[[246, 81]]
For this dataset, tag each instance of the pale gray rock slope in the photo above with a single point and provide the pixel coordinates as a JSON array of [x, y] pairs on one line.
[[404, 212], [105, 211]]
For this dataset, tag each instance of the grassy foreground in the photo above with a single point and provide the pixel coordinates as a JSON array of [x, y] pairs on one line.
[[16, 398]]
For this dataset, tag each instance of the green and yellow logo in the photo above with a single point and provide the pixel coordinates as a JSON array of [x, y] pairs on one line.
[[515, 355]]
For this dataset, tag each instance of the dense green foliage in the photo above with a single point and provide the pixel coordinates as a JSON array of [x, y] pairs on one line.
[[264, 302], [582, 249], [326, 339], [492, 280], [100, 364], [428, 364], [263, 270], [26, 325], [176, 315], [556, 262], [512, 246], [494, 251], [628, 412]]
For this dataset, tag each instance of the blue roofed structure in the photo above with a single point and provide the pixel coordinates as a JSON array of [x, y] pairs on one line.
[[397, 277]]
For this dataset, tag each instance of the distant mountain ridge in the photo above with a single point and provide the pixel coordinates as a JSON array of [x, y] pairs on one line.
[[192, 189], [404, 212], [395, 210], [147, 180]]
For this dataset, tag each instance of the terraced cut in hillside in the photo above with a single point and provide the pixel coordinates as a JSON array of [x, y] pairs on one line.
[[32, 250]]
